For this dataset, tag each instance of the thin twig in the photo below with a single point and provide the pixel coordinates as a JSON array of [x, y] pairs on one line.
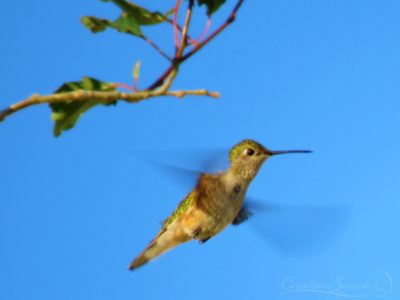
[[161, 79], [185, 30], [181, 94], [175, 24], [158, 49], [168, 81], [202, 35], [171, 22]]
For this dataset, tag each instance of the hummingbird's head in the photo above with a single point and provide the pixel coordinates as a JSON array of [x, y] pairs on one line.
[[247, 157]]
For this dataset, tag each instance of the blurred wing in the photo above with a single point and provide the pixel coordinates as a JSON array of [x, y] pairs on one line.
[[295, 230], [200, 161], [182, 177], [206, 160]]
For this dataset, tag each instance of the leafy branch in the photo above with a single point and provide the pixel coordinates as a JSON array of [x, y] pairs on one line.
[[72, 99]]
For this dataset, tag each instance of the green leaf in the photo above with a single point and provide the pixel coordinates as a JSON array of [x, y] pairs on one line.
[[142, 15], [95, 24], [212, 5], [66, 114], [132, 17], [124, 23]]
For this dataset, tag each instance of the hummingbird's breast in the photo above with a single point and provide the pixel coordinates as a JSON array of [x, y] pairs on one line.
[[219, 199]]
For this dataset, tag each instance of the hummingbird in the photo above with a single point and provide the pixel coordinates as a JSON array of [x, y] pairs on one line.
[[215, 202]]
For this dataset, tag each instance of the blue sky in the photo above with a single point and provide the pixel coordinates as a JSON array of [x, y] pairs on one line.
[[320, 75]]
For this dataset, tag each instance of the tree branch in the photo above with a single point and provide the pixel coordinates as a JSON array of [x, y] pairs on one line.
[[98, 96], [159, 88]]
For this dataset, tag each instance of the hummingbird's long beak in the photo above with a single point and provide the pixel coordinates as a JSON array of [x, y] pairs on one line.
[[278, 152]]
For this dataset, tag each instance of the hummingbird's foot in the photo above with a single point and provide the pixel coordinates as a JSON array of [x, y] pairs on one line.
[[243, 215], [204, 240], [196, 235]]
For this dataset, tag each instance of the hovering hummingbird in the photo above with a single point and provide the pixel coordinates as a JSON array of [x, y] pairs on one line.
[[215, 202]]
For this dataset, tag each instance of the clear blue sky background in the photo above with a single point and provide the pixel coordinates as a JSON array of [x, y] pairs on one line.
[[320, 75]]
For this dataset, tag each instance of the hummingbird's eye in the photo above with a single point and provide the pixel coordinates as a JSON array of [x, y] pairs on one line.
[[250, 152]]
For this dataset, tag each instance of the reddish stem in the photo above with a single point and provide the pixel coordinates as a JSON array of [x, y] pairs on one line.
[[196, 41], [175, 23], [169, 21], [125, 86], [158, 49]]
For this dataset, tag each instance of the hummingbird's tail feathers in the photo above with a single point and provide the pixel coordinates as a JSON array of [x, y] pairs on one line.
[[163, 242], [147, 254]]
